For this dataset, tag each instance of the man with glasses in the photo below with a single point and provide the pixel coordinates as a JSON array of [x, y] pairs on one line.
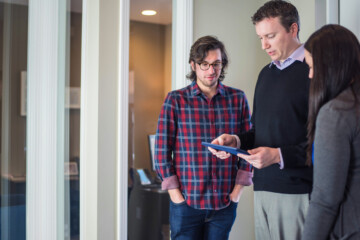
[[203, 189]]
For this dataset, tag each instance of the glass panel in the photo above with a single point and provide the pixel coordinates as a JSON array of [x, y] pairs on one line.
[[72, 159], [150, 80], [13, 66], [13, 69]]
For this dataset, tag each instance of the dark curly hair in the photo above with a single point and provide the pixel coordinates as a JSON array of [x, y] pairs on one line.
[[199, 51]]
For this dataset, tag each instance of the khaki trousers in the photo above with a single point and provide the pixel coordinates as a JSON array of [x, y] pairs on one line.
[[279, 216]]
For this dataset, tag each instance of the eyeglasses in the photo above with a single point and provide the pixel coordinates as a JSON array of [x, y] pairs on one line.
[[205, 65]]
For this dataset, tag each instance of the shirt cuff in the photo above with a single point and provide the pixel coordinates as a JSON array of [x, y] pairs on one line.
[[171, 182], [238, 143], [281, 163], [244, 178]]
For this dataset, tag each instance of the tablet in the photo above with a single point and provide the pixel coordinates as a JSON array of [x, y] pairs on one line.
[[231, 150]]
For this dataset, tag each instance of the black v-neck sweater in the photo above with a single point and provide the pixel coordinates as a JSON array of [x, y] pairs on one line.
[[279, 120]]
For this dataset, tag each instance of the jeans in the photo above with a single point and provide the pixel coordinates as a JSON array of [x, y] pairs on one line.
[[194, 224]]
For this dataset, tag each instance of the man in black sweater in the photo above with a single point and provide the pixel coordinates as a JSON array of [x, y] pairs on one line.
[[277, 140]]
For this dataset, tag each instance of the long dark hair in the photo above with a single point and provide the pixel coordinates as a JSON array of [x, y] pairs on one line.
[[336, 66]]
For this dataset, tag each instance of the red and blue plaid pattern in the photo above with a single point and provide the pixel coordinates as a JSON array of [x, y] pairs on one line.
[[188, 118]]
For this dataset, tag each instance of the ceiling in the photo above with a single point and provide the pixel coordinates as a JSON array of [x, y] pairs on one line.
[[162, 7]]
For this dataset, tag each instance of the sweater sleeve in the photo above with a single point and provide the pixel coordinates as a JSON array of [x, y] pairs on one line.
[[247, 138], [245, 126], [331, 163], [294, 156]]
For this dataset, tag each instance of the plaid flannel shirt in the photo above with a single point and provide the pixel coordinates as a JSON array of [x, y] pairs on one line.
[[188, 118]]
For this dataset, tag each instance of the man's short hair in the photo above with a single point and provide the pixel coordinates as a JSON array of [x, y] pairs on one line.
[[287, 13], [199, 51]]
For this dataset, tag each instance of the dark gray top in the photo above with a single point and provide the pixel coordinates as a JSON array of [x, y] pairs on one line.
[[335, 200]]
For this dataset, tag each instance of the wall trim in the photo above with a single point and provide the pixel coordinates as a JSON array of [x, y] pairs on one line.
[[123, 111], [182, 39], [91, 133], [45, 120], [89, 120], [332, 11]]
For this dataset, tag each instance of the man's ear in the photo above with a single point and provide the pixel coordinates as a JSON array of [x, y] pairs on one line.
[[294, 29], [192, 65]]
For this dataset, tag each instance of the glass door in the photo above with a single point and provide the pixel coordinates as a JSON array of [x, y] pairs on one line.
[[149, 81], [14, 116], [13, 72], [72, 117]]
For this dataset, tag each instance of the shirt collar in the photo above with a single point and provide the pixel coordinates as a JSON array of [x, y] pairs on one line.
[[195, 90], [297, 55]]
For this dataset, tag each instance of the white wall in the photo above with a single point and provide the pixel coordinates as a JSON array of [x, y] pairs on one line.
[[104, 129], [306, 9], [230, 21], [349, 15]]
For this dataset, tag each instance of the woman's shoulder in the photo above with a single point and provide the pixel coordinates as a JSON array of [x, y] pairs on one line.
[[341, 113], [344, 103]]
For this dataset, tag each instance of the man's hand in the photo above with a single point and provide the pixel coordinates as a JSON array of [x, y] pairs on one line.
[[262, 157], [236, 193], [176, 196], [225, 140]]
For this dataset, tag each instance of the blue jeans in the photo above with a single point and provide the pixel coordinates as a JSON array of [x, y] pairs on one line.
[[193, 224]]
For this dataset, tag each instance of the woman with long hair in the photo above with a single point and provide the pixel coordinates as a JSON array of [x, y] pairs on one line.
[[333, 56]]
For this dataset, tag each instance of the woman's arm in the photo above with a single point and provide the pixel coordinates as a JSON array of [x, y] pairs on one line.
[[331, 164]]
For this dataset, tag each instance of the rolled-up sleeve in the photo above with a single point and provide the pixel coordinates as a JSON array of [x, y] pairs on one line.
[[170, 183], [165, 138], [244, 177]]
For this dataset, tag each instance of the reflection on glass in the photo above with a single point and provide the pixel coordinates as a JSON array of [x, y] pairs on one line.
[[13, 112], [13, 66], [72, 108], [149, 82]]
